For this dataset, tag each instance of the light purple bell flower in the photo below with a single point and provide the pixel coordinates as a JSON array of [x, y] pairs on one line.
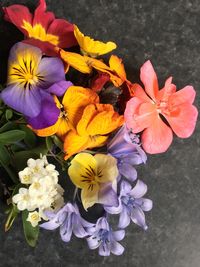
[[131, 205], [104, 238], [69, 220], [125, 147], [32, 82]]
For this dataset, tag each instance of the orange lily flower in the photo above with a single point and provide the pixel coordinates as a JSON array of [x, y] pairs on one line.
[[93, 129], [74, 101]]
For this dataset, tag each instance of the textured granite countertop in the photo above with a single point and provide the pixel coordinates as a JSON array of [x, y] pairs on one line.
[[166, 32]]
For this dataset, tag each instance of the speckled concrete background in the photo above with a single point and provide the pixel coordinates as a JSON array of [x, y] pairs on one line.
[[168, 33]]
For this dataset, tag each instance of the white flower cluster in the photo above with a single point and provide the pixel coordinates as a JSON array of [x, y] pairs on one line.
[[42, 192]]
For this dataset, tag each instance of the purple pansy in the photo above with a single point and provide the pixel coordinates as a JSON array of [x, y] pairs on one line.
[[125, 147], [131, 204], [69, 220], [104, 238], [31, 81]]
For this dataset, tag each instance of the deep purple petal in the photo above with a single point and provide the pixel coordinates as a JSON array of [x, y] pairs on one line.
[[104, 250], [59, 88], [144, 203], [49, 113], [28, 102], [52, 70], [119, 235], [128, 171], [138, 217], [117, 248], [124, 219], [107, 196], [93, 242], [139, 190]]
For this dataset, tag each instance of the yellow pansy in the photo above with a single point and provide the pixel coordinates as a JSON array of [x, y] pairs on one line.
[[91, 174], [91, 47]]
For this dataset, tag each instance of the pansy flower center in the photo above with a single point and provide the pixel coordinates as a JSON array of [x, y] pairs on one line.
[[91, 176]]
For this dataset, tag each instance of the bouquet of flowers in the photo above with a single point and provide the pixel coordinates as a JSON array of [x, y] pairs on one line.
[[71, 119]]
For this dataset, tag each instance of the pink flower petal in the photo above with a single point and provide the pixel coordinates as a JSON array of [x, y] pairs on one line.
[[183, 121], [157, 138], [138, 115], [140, 93], [149, 79], [185, 95]]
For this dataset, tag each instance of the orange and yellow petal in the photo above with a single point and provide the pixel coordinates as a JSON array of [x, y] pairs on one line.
[[76, 61], [75, 100], [91, 47]]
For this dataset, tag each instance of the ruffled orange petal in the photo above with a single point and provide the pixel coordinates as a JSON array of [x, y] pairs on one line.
[[75, 100], [117, 66]]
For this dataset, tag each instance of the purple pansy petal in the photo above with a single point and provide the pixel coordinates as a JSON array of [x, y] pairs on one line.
[[49, 113], [59, 88], [138, 217], [23, 49], [124, 219], [107, 196], [119, 235], [144, 203], [28, 102], [93, 242], [117, 248], [139, 190], [104, 250], [52, 69], [128, 171]]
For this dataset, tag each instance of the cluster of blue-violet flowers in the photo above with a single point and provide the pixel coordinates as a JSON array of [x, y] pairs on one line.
[[125, 147]]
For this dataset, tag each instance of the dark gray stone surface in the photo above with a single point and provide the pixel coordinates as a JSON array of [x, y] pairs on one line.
[[168, 33]]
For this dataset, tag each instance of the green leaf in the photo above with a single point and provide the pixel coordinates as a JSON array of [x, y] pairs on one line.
[[49, 143], [31, 233], [9, 114], [57, 142], [30, 138], [20, 158], [8, 126], [4, 155], [12, 136], [11, 217]]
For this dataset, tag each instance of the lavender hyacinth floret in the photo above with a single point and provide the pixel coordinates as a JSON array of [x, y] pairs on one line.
[[132, 205], [104, 238], [125, 147], [69, 220]]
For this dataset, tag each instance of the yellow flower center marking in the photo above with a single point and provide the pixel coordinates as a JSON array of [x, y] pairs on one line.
[[91, 177], [38, 32]]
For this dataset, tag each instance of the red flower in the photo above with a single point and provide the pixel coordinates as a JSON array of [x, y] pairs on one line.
[[145, 111], [41, 29]]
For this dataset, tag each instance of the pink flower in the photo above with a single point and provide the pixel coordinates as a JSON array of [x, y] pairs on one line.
[[145, 111]]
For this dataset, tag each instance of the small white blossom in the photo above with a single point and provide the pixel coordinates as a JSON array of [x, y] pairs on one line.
[[26, 176], [44, 193], [22, 199], [34, 218]]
